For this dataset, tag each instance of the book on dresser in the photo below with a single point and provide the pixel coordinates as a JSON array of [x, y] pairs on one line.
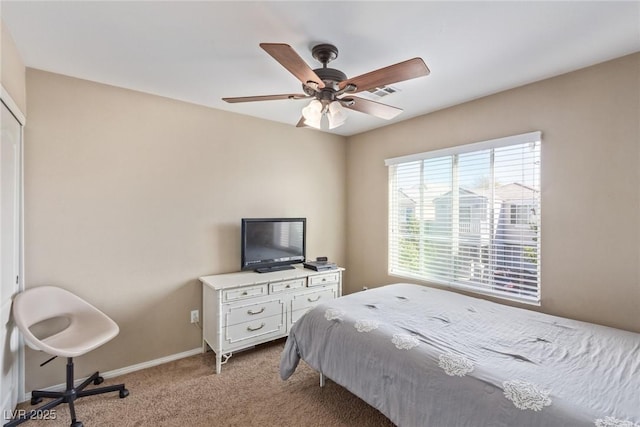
[[243, 309]]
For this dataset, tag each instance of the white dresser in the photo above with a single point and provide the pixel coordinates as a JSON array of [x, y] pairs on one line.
[[240, 310]]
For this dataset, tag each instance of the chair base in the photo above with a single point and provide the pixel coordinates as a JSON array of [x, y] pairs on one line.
[[69, 395]]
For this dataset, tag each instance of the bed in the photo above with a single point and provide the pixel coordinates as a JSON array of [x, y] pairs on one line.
[[429, 357]]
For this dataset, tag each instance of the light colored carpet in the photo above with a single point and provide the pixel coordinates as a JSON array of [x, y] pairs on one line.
[[248, 392]]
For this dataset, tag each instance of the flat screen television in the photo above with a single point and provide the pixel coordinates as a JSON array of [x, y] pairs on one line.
[[272, 244]]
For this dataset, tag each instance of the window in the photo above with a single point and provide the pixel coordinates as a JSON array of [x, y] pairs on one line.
[[520, 214], [468, 217]]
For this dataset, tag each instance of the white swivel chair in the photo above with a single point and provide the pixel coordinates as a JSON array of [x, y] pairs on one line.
[[86, 329]]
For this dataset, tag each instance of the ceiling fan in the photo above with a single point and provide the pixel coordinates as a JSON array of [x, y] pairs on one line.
[[330, 89]]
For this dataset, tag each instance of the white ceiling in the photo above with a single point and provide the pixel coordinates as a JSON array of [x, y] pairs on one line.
[[202, 51]]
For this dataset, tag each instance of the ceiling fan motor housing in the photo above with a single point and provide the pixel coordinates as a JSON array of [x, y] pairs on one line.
[[329, 76]]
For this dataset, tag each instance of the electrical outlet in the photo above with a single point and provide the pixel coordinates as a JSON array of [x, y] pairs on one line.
[[195, 316]]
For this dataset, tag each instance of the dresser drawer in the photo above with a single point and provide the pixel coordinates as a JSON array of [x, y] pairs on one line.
[[324, 279], [286, 285], [245, 292], [302, 303], [297, 314], [311, 299], [274, 325], [252, 311]]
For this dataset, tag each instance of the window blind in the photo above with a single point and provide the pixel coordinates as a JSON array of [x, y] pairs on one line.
[[469, 217]]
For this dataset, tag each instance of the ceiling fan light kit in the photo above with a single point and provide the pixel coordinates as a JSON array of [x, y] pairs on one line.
[[327, 85], [334, 111], [336, 115], [312, 114]]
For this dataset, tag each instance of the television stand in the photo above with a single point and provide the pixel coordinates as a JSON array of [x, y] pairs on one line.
[[244, 309], [274, 268]]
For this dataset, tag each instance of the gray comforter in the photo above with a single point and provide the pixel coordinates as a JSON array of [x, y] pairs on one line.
[[427, 357]]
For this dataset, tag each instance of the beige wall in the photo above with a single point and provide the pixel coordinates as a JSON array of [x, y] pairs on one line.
[[12, 70], [131, 197], [590, 185]]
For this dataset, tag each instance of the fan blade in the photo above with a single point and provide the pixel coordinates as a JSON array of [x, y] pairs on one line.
[[377, 109], [399, 72], [289, 59], [301, 123], [266, 97]]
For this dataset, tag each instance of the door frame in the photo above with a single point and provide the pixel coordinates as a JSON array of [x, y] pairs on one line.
[[8, 101]]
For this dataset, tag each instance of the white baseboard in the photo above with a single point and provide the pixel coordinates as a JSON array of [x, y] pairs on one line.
[[126, 369]]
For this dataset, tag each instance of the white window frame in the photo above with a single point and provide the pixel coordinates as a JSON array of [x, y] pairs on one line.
[[528, 289]]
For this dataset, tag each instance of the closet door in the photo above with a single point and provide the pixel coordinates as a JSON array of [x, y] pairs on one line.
[[10, 231]]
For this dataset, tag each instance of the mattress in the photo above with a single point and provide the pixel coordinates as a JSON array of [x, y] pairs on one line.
[[429, 357]]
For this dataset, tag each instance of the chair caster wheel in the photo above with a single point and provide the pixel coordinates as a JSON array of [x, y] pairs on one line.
[[98, 380], [124, 393], [36, 400], [77, 424]]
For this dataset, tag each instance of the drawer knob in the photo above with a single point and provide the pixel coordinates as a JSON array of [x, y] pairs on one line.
[[255, 312], [313, 300], [250, 329], [288, 286], [245, 293]]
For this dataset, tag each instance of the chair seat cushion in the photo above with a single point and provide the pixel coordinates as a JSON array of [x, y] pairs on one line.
[[85, 332]]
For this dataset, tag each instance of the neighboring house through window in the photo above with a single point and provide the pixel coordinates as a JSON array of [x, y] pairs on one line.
[[468, 217]]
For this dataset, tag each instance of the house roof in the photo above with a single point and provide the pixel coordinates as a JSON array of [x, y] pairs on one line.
[[516, 193], [513, 193]]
